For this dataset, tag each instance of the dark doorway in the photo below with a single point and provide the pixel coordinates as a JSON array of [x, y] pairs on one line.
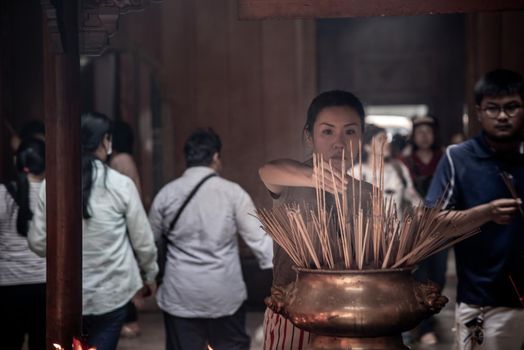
[[398, 61]]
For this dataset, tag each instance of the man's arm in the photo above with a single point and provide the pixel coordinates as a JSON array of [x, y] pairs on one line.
[[140, 235], [444, 191], [250, 228], [500, 211]]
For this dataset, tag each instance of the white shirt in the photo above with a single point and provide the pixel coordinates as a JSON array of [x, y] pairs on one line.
[[203, 276], [18, 264], [110, 273], [393, 185]]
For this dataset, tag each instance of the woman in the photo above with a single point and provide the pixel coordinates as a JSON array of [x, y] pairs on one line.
[[335, 121], [425, 153], [111, 205], [122, 157], [22, 272], [397, 181]]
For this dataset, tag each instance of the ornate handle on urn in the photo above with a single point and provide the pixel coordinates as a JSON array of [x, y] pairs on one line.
[[429, 297], [279, 298]]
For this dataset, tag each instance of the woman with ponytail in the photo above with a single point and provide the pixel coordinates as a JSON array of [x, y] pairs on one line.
[[22, 272], [115, 265]]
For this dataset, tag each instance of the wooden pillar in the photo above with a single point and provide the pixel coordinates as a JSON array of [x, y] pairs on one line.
[[5, 91], [63, 176]]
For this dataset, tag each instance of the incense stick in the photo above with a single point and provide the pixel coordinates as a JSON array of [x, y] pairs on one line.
[[509, 184], [350, 235]]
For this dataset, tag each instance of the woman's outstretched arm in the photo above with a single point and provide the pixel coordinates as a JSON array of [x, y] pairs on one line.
[[281, 173]]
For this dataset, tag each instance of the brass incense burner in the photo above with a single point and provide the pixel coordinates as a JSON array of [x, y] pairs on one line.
[[365, 310]]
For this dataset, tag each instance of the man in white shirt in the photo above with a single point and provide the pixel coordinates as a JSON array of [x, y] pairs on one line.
[[202, 292]]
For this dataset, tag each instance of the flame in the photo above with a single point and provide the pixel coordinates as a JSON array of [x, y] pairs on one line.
[[77, 345]]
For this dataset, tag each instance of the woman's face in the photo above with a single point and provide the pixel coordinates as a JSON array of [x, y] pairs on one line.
[[423, 137], [334, 130]]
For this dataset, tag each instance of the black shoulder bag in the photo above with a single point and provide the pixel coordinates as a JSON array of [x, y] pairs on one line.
[[164, 241]]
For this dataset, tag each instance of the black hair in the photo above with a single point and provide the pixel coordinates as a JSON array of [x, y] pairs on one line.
[[200, 147], [94, 127], [370, 131], [30, 159], [123, 138], [398, 143], [499, 83], [32, 129], [333, 98]]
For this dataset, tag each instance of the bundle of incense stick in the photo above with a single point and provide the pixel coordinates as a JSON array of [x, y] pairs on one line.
[[507, 178], [360, 230]]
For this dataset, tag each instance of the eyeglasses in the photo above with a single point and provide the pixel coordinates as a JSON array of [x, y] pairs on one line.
[[510, 109]]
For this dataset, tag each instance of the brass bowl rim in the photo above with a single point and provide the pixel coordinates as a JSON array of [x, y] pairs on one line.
[[354, 272]]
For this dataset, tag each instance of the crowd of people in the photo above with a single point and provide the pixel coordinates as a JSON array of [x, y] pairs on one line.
[[185, 251]]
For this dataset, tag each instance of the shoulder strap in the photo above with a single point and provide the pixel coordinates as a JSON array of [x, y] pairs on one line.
[[195, 189], [11, 189], [398, 170]]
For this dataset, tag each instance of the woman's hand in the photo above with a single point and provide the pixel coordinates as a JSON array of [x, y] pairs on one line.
[[329, 178], [502, 210]]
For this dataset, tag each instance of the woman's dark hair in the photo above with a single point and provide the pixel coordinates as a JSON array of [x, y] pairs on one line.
[[123, 138], [94, 127], [30, 159], [370, 131], [334, 98], [499, 83], [200, 147]]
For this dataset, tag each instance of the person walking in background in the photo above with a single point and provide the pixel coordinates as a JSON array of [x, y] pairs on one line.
[[397, 181], [122, 161], [489, 313], [422, 163], [425, 153], [200, 213], [121, 158], [118, 249], [22, 272]]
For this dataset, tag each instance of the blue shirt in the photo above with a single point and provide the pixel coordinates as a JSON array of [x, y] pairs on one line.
[[469, 175]]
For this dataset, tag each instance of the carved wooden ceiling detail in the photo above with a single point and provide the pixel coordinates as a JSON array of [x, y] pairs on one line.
[[98, 21]]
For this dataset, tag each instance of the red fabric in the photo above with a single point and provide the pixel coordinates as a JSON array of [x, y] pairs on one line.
[[285, 333], [418, 168], [279, 335]]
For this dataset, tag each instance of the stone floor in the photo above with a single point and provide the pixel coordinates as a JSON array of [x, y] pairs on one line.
[[152, 337]]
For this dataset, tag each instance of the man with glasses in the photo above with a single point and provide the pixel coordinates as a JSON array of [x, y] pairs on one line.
[[490, 265]]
